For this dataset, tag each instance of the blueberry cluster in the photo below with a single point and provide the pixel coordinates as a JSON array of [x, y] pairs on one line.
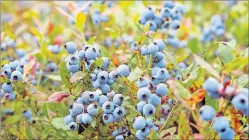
[[216, 28], [10, 44], [121, 133], [144, 127], [169, 17], [14, 73], [87, 106], [216, 90], [174, 41], [109, 41], [55, 49], [98, 17]]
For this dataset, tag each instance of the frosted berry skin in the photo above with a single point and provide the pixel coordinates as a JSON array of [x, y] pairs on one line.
[[240, 102], [142, 82], [76, 109], [220, 124], [108, 107], [86, 118], [68, 119], [207, 113], [16, 76], [27, 114], [92, 109], [124, 70], [70, 47], [139, 123], [162, 90], [149, 110], [140, 106], [118, 99], [108, 118], [227, 134], [154, 100], [143, 94], [7, 87]]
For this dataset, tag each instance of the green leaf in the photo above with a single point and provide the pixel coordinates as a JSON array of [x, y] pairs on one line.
[[170, 57], [77, 76], [45, 109], [65, 75], [97, 63], [59, 108], [80, 20], [92, 40], [59, 123], [170, 131], [212, 102], [184, 130], [226, 53], [54, 77], [13, 131], [202, 63], [29, 133], [13, 119], [243, 80], [135, 74], [153, 134]]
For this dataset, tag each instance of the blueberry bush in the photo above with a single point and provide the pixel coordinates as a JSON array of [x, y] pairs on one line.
[[124, 70]]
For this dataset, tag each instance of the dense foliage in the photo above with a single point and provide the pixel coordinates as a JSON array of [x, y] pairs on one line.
[[124, 70]]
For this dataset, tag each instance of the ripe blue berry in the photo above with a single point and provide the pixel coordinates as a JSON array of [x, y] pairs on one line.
[[162, 90], [124, 70], [142, 82], [145, 131], [240, 102], [139, 123], [149, 110], [76, 109], [150, 122], [119, 112], [103, 77], [140, 106], [143, 94], [154, 100], [108, 107], [118, 99], [93, 96], [108, 118], [220, 124], [153, 48], [207, 113], [27, 114], [102, 100], [92, 109], [105, 88], [165, 109], [86, 118], [72, 68], [70, 47], [7, 87]]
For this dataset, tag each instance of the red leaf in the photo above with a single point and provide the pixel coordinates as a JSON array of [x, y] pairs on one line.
[[57, 96]]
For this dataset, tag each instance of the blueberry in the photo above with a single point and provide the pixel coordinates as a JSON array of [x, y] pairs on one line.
[[158, 57], [240, 102], [105, 88], [102, 100], [70, 47], [161, 64], [145, 131], [91, 53], [165, 109], [51, 67], [152, 25], [92, 109], [108, 118], [85, 97], [150, 122], [103, 77], [93, 96], [93, 77], [139, 136], [144, 50], [55, 49], [72, 126], [12, 96], [154, 100], [20, 68], [20, 53], [14, 64], [162, 90], [220, 124], [155, 70], [169, 4], [115, 133], [162, 74], [124, 70], [108, 107], [72, 68], [143, 94], [7, 87], [106, 63], [139, 123], [119, 137], [3, 47], [81, 54], [153, 48], [27, 114], [165, 12], [86, 118], [77, 109], [79, 118], [73, 59], [140, 106], [118, 99], [228, 134], [148, 13], [142, 19], [211, 85], [110, 94], [134, 46], [207, 113], [113, 75], [119, 112], [96, 84], [1, 93], [142, 82], [149, 110], [154, 81], [158, 20]]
